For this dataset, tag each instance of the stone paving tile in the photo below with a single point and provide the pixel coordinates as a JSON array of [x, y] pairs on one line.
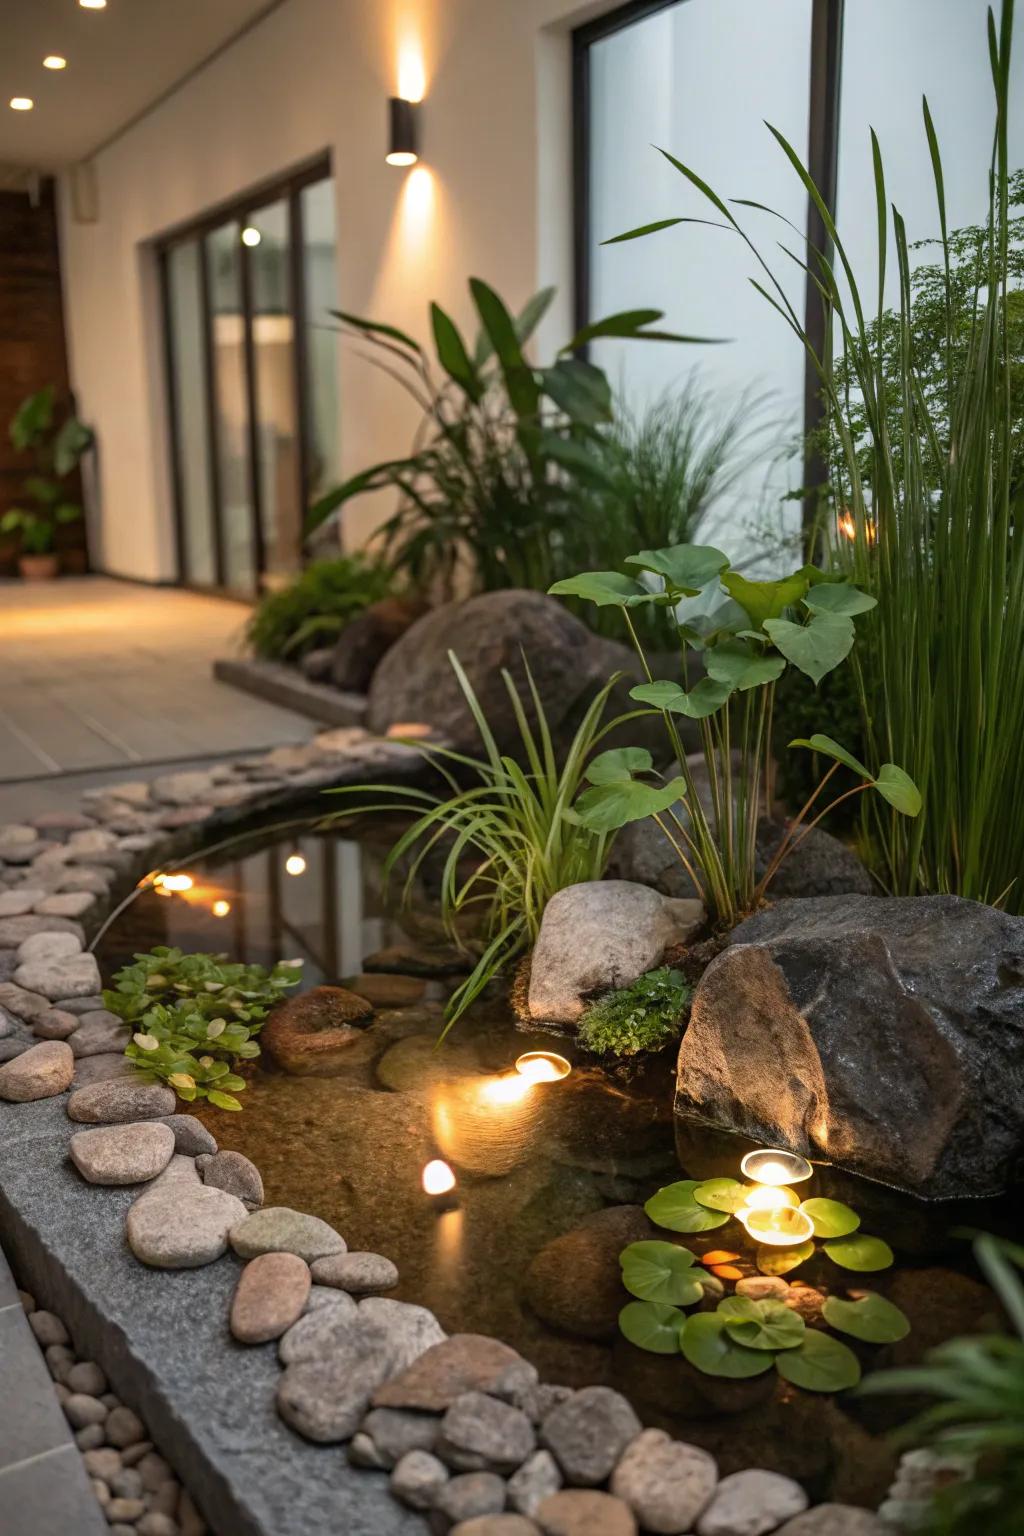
[[49, 1496], [31, 1420]]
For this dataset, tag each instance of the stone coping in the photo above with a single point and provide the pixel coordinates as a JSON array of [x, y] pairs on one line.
[[280, 684]]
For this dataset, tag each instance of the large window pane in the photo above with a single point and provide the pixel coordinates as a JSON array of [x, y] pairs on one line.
[[321, 296], [699, 79], [185, 315], [231, 412], [273, 335]]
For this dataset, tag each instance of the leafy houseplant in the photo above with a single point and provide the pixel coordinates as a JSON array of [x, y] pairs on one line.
[[314, 608], [924, 428], [746, 633], [645, 1016], [976, 1385], [517, 824], [502, 447], [56, 450], [194, 1017]]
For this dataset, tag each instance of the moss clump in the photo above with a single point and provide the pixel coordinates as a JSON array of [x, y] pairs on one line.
[[645, 1016]]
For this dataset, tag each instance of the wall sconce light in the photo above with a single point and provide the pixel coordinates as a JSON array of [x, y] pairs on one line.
[[403, 138]]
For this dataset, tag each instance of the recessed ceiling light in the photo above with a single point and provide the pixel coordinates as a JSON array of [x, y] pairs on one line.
[[93, 5], [251, 235], [55, 61], [22, 103]]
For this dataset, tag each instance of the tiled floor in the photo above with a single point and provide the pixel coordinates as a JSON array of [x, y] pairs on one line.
[[102, 674]]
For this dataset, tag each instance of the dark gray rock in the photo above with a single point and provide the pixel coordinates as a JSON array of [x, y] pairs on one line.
[[480, 1433], [418, 1479], [395, 1431], [819, 865], [364, 641], [235, 1173], [886, 1034], [588, 1433], [101, 1033], [536, 1480], [190, 1135]]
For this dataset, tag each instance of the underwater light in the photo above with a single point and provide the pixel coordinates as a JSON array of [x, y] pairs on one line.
[[505, 1090], [542, 1067], [439, 1184], [175, 882], [221, 908], [780, 1228], [769, 1165], [769, 1198]]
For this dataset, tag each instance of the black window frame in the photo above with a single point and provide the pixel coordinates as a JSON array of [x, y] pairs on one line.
[[822, 149], [287, 189]]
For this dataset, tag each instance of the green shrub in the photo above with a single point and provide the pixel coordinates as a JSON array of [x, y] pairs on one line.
[[195, 1016], [314, 608], [56, 451], [644, 1016]]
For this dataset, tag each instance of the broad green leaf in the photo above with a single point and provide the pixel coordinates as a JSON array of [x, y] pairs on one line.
[[831, 1218], [703, 699], [899, 789], [626, 323], [222, 1100], [815, 648], [452, 354], [773, 1325], [830, 748], [658, 1271], [819, 1363], [652, 1326], [763, 600], [605, 588], [721, 1194], [739, 665], [860, 1252], [520, 381], [607, 807], [839, 597], [781, 1261], [708, 1344], [618, 763], [580, 390], [871, 1318], [686, 568], [675, 1208]]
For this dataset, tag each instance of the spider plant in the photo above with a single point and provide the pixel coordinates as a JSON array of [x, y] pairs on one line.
[[513, 826], [977, 1384]]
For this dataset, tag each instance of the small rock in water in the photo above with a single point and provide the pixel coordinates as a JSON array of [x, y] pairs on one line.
[[582, 1512], [751, 1503], [278, 1229], [470, 1495], [121, 1099], [359, 1273], [314, 1034], [122, 1154], [588, 1433], [233, 1172], [183, 1228], [480, 1433], [41, 1072], [64, 976], [760, 1287], [384, 991], [665, 1482], [418, 1479], [54, 1024], [536, 1480], [190, 1135], [271, 1293]]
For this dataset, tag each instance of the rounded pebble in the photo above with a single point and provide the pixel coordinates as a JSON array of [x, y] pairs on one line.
[[271, 1294], [81, 1409], [418, 1478], [124, 1428], [665, 1482], [87, 1377], [48, 1328], [751, 1503], [583, 1512]]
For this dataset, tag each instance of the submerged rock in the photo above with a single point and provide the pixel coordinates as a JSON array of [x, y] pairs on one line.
[[313, 1034], [575, 1282], [885, 1034], [598, 936]]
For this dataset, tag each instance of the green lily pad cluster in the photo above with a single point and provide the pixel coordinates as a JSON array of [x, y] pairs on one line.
[[195, 1017], [745, 1336]]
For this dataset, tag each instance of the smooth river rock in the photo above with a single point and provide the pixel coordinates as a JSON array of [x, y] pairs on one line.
[[751, 1503], [882, 1033], [466, 1362], [584, 1512], [665, 1482], [278, 1229], [38, 1073], [480, 1433], [65, 976], [122, 1154], [54, 1024], [588, 1433], [190, 1135], [271, 1293], [121, 1099], [235, 1173], [834, 1520], [361, 1274], [101, 1033], [48, 946], [183, 1226]]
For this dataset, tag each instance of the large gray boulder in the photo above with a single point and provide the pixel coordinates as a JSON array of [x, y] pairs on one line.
[[886, 1035]]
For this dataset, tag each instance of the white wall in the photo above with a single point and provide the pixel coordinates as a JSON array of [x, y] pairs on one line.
[[491, 198]]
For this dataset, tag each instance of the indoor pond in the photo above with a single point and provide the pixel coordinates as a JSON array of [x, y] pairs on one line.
[[549, 1177]]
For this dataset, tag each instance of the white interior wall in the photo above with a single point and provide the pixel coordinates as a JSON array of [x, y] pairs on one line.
[[492, 197]]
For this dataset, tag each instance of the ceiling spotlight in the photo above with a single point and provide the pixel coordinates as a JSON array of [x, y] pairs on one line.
[[251, 235], [93, 5], [55, 61], [22, 103]]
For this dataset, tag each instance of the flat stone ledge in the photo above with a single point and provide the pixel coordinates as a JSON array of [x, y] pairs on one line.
[[278, 684]]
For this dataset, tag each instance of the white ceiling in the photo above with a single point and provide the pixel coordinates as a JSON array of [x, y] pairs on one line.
[[120, 61]]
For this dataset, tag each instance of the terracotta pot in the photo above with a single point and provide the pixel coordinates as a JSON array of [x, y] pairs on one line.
[[38, 567]]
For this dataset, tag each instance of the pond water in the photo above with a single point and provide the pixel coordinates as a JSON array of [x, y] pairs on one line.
[[533, 1164]]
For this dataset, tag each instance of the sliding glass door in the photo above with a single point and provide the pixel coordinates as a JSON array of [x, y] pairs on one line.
[[252, 382]]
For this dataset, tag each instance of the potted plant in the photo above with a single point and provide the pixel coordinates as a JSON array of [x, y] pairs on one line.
[[57, 447]]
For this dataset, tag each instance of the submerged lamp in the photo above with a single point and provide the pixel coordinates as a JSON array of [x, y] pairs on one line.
[[403, 138]]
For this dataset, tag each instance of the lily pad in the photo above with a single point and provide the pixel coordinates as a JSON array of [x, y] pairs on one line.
[[831, 1217], [767, 1324], [779, 1261], [657, 1271], [860, 1252], [708, 1345], [721, 1194], [819, 1363], [871, 1318], [675, 1208], [653, 1326]]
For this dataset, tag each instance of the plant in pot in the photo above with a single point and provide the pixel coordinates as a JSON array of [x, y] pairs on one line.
[[56, 442]]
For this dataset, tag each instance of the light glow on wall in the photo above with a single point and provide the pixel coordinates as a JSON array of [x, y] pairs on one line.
[[412, 76]]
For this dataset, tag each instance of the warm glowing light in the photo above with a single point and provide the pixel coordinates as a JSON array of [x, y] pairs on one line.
[[414, 729], [295, 864], [412, 77], [251, 235], [767, 1165], [505, 1090], [847, 526], [401, 157], [542, 1067], [93, 5], [55, 61], [764, 1198], [221, 908], [780, 1229], [438, 1178], [22, 103], [174, 882]]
